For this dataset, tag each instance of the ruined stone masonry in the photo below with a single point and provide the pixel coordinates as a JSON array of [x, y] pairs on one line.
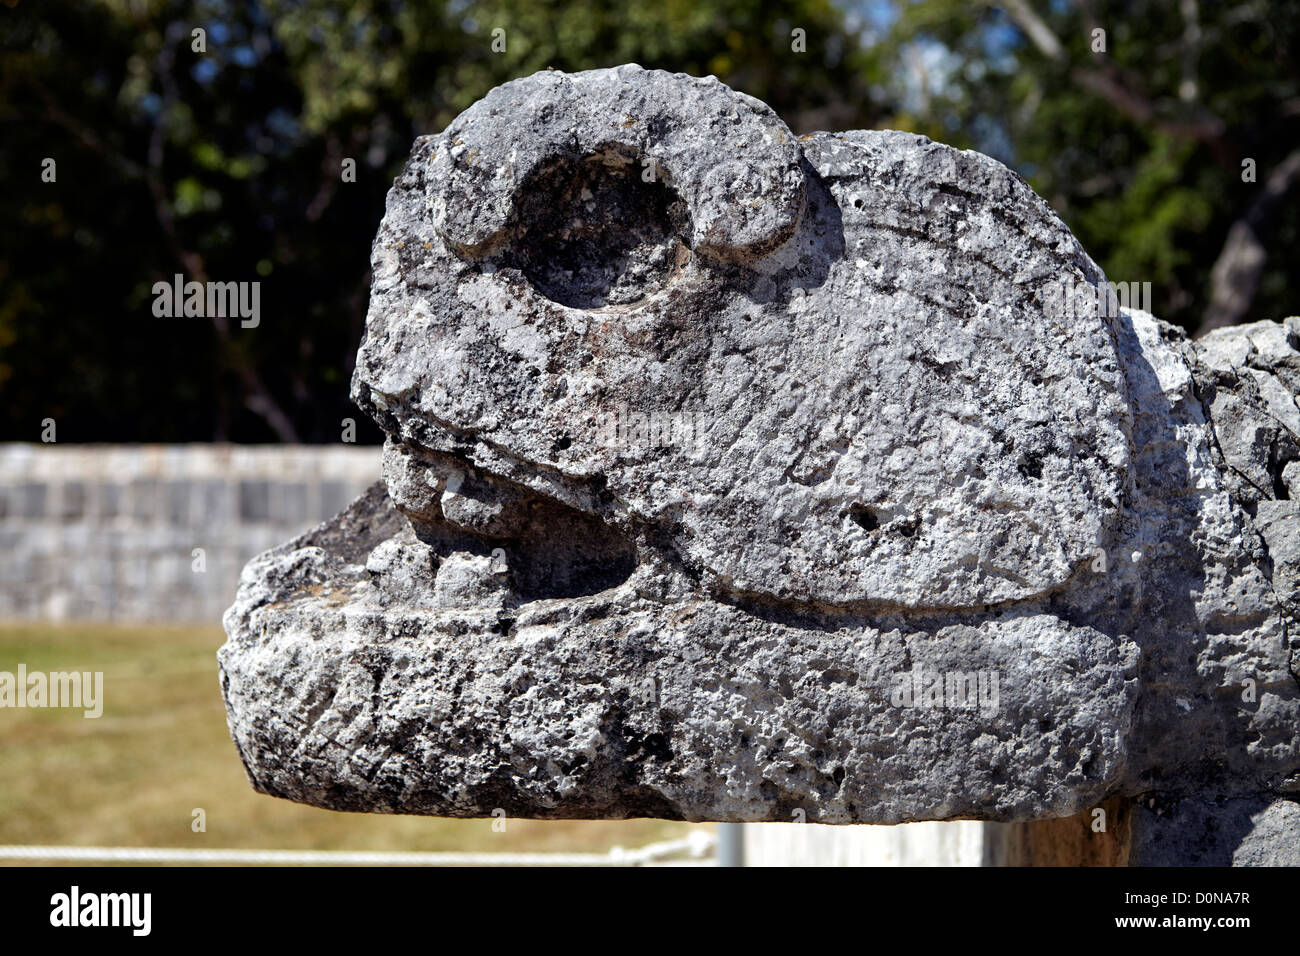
[[940, 541], [118, 532]]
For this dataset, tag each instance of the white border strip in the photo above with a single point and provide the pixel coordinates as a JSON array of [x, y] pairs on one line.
[[697, 846]]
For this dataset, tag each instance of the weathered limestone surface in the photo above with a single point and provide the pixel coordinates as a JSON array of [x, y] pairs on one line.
[[880, 444]]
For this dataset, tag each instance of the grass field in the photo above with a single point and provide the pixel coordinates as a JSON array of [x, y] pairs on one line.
[[134, 776]]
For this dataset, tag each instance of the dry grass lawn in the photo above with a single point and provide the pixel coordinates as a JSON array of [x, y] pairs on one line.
[[134, 776]]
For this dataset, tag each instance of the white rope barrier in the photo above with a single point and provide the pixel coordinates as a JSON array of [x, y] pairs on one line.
[[695, 847]]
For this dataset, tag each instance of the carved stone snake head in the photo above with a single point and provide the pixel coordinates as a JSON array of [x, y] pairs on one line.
[[724, 466]]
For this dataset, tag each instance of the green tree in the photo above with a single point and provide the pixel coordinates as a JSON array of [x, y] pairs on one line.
[[222, 160], [1134, 119]]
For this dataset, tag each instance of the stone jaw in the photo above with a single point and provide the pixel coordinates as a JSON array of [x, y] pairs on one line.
[[900, 461]]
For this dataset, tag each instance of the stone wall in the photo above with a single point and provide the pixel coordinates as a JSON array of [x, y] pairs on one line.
[[110, 532]]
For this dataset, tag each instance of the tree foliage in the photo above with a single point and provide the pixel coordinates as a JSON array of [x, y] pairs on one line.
[[222, 161], [1133, 118]]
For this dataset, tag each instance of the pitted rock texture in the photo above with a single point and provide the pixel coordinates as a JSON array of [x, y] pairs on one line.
[[887, 405], [489, 161], [731, 473]]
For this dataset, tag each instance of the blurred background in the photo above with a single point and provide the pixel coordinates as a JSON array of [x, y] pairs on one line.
[[225, 164], [1165, 134]]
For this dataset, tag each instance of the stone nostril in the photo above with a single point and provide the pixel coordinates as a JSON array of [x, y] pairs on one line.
[[603, 229], [734, 163]]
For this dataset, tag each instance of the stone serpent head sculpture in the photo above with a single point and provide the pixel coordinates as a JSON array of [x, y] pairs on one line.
[[731, 473]]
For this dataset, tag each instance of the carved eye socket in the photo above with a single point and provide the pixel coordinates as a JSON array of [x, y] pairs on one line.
[[593, 231], [736, 165]]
